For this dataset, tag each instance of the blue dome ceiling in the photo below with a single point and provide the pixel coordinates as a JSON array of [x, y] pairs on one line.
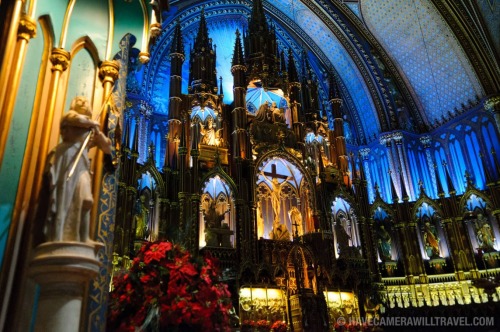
[[389, 56]]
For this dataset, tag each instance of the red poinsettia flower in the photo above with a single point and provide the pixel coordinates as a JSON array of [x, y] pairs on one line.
[[166, 282]]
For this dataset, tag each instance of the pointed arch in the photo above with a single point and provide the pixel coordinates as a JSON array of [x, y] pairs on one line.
[[218, 170], [88, 44], [300, 262], [285, 196], [150, 167], [467, 195], [426, 199]]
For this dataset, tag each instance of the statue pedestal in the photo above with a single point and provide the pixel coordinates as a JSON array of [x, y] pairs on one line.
[[208, 152], [63, 271], [437, 264]]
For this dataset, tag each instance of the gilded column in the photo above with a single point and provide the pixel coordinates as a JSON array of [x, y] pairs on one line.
[[7, 49], [108, 73], [26, 31], [60, 59]]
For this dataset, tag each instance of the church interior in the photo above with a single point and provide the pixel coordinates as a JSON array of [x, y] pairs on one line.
[[339, 158]]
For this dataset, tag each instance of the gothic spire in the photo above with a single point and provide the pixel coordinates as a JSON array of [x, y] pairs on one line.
[[293, 77], [238, 58], [451, 188], [333, 92], [221, 90], [135, 143], [395, 197], [361, 169], [202, 40], [440, 190], [202, 71], [177, 41], [404, 193], [258, 20], [126, 135], [282, 62]]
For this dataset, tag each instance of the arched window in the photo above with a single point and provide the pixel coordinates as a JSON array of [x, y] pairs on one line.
[[476, 163]]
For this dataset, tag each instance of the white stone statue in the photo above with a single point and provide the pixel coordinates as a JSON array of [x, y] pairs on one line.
[[208, 132], [70, 196], [277, 114]]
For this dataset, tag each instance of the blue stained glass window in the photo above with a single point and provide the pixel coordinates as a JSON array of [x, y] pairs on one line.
[[440, 157], [132, 132], [426, 178], [477, 165], [458, 165], [202, 113], [415, 171]]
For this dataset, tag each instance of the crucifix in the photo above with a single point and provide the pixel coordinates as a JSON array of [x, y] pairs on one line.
[[276, 189]]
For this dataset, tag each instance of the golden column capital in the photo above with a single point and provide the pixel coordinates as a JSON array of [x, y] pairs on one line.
[[144, 57], [27, 28], [60, 59], [108, 72], [492, 104]]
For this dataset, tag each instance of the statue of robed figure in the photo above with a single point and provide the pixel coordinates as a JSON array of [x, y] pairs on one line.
[[67, 179]]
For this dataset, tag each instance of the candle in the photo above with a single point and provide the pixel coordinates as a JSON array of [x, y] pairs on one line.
[[266, 297]]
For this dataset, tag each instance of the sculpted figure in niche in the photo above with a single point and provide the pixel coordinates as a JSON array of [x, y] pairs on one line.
[[485, 237], [276, 113], [141, 219], [208, 133], [296, 219], [70, 197], [431, 240], [279, 232], [213, 218], [384, 244], [342, 238], [263, 114]]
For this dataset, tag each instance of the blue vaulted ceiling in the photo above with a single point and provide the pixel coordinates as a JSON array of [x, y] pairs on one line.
[[389, 56]]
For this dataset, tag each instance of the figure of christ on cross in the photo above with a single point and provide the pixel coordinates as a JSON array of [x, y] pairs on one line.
[[276, 190]]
